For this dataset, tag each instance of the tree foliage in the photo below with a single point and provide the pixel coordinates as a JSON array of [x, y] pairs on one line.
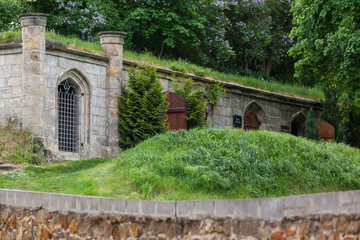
[[9, 11], [327, 35], [142, 107], [327, 48]]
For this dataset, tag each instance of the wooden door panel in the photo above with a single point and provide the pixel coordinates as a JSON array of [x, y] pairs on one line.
[[251, 121], [177, 111]]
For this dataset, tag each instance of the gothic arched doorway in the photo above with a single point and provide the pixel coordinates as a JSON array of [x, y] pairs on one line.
[[251, 121], [68, 116]]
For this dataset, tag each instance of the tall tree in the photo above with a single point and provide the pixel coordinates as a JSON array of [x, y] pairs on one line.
[[327, 36]]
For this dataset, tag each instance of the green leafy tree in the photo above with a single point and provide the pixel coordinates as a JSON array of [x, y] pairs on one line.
[[142, 107], [327, 48], [258, 33], [195, 101], [327, 34], [311, 127], [163, 27], [9, 14], [350, 111]]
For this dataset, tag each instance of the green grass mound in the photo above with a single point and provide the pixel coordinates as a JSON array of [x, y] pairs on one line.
[[226, 163]]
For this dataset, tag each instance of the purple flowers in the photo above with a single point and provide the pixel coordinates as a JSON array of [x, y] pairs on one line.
[[74, 14]]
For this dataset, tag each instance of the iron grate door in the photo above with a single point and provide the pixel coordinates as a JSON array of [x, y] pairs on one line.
[[68, 117]]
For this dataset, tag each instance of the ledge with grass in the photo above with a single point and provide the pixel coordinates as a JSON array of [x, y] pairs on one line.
[[187, 68]]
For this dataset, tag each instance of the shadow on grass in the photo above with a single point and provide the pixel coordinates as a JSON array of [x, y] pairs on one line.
[[67, 167]]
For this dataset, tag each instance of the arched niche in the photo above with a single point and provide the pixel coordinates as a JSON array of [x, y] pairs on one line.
[[253, 115], [297, 124], [77, 105]]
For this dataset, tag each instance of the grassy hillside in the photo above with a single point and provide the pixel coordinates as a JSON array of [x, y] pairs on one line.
[[204, 164], [179, 65]]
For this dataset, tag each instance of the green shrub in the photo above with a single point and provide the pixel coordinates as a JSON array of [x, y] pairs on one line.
[[142, 107], [311, 127], [195, 101]]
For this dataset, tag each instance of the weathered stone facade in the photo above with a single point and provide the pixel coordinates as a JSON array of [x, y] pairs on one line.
[[31, 74], [30, 215]]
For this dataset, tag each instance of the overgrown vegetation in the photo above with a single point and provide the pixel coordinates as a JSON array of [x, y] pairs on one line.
[[143, 107], [204, 164], [19, 145], [195, 102]]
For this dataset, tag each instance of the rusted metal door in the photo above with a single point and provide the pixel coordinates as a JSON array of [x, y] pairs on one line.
[[251, 121], [176, 112], [326, 131]]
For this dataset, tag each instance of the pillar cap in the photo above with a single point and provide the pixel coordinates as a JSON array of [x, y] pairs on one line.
[[33, 19], [112, 37]]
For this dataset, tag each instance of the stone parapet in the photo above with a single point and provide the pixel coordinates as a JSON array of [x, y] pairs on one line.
[[59, 216], [269, 209]]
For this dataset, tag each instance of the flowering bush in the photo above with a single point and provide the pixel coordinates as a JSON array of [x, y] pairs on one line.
[[78, 18]]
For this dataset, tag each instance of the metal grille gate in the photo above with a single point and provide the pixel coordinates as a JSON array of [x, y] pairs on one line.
[[68, 117]]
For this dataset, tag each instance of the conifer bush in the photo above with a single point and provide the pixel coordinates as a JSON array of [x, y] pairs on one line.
[[142, 107], [311, 127]]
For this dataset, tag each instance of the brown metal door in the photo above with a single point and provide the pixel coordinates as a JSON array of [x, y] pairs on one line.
[[326, 131], [251, 121], [176, 112]]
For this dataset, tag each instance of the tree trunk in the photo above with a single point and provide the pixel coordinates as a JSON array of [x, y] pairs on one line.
[[246, 63]]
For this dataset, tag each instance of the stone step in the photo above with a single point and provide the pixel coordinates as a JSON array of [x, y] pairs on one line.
[[6, 168]]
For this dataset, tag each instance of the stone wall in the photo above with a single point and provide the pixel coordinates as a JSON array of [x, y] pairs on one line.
[[273, 109], [90, 72], [30, 215], [10, 81]]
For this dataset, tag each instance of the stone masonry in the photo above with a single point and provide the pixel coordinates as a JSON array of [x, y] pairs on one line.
[[31, 215], [31, 73]]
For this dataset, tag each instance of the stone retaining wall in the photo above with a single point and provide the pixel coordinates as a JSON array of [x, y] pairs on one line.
[[30, 215]]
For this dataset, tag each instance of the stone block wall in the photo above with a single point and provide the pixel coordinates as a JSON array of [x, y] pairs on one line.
[[10, 81], [30, 215], [90, 70], [273, 109]]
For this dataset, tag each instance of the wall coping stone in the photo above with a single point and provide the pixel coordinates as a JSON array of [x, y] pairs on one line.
[[72, 54], [269, 209], [112, 37], [10, 45]]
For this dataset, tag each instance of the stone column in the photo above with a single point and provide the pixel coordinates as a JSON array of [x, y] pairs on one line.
[[113, 43], [33, 74]]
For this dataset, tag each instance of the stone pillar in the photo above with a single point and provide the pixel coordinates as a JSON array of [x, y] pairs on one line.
[[33, 74], [113, 43]]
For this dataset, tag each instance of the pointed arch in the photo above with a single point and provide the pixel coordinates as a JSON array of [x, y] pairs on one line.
[[77, 78], [253, 115], [81, 95], [297, 124]]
